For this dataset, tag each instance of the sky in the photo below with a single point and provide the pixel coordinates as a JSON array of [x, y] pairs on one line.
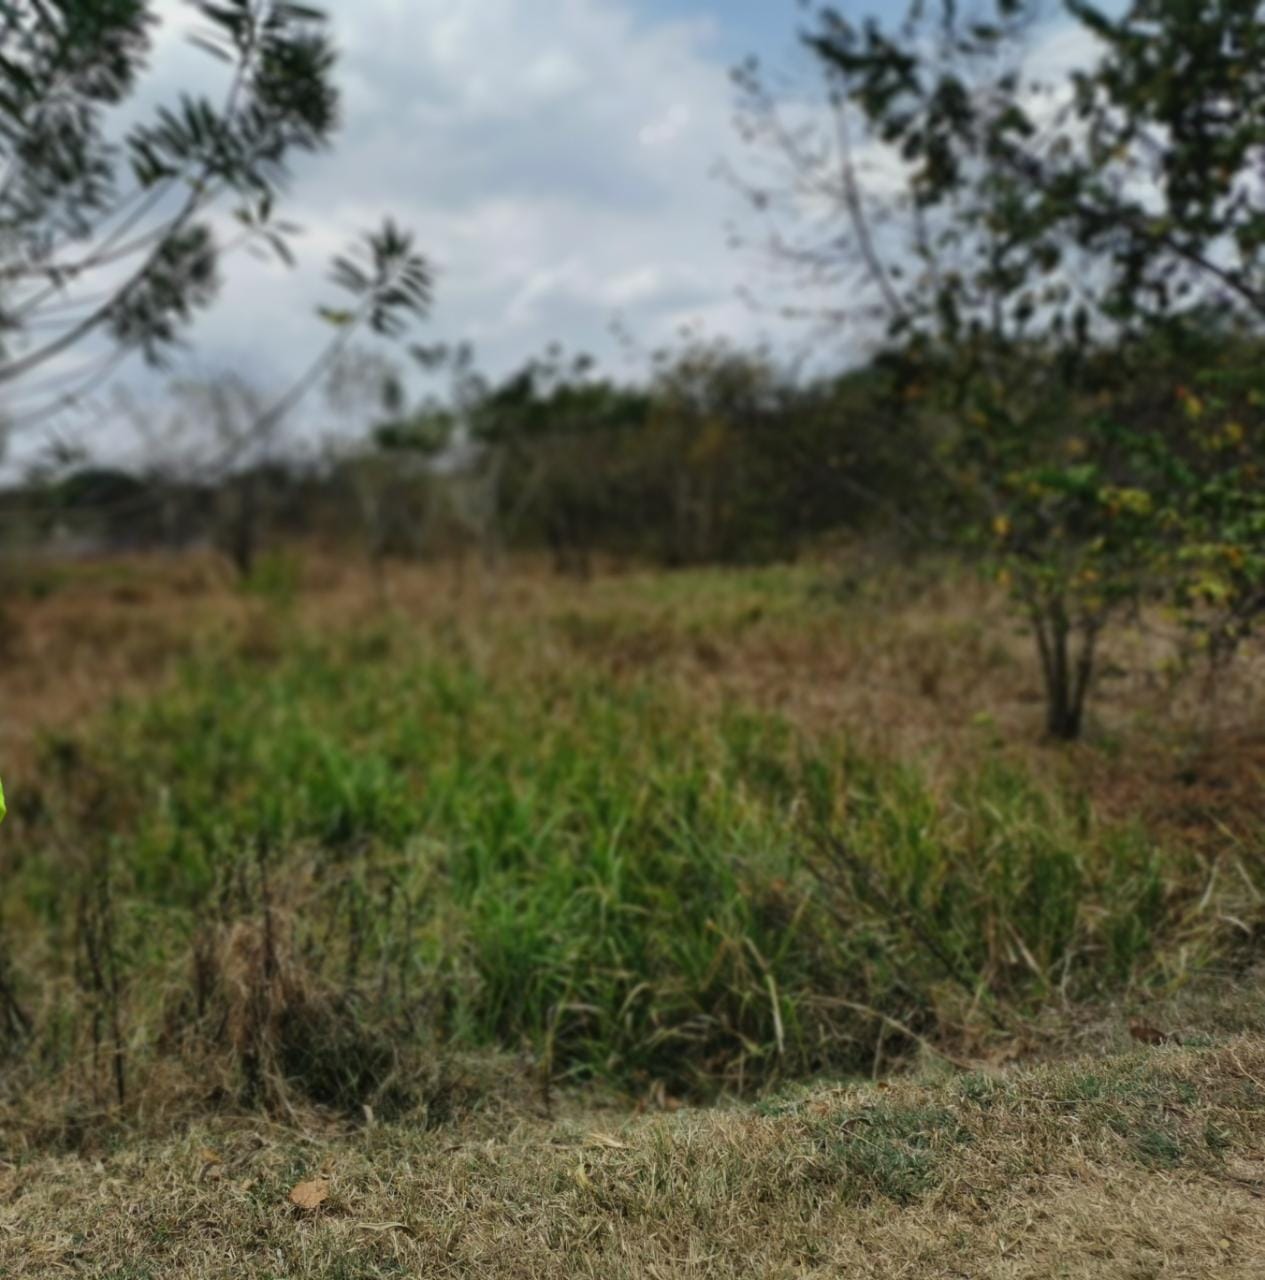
[[556, 159], [560, 171]]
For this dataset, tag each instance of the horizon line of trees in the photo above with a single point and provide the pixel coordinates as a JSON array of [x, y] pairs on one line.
[[721, 456]]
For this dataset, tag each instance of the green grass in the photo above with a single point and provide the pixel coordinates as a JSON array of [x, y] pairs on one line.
[[483, 839], [889, 1151]]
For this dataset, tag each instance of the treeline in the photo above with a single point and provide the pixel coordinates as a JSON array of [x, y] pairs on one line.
[[721, 456]]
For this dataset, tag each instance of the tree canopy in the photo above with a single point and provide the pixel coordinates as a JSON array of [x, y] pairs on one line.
[[110, 239]]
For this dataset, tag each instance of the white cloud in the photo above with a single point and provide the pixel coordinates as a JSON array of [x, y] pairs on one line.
[[641, 284], [540, 161], [554, 169], [667, 128]]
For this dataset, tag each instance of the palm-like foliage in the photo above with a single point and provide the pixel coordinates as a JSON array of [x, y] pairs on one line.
[[106, 236]]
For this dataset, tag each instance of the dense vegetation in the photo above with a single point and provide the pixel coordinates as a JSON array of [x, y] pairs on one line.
[[317, 856]]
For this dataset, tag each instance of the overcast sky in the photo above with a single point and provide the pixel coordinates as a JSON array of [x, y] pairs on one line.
[[556, 158]]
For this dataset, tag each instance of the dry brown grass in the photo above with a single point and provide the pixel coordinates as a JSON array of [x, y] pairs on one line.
[[914, 663], [1147, 1164], [75, 637], [917, 657]]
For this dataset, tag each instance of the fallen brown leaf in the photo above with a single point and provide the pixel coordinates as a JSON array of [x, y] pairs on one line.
[[1147, 1034], [310, 1195]]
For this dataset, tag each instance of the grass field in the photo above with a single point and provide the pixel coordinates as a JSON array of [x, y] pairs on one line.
[[1136, 1166], [664, 923]]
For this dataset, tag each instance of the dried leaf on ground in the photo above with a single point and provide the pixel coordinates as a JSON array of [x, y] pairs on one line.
[[1144, 1033], [310, 1195]]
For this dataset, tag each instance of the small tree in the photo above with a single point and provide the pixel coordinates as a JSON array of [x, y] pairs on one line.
[[1018, 231], [1219, 569], [422, 466]]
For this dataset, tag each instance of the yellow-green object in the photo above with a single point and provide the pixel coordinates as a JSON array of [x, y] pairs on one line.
[[3, 810]]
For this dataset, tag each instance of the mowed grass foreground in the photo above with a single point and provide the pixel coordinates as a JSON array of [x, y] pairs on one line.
[[328, 856], [1148, 1164]]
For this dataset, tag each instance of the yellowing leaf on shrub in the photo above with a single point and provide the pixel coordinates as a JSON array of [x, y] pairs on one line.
[[310, 1195], [1135, 501]]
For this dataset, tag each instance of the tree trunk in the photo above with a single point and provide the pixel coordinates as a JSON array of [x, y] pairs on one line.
[[243, 531], [1066, 676]]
